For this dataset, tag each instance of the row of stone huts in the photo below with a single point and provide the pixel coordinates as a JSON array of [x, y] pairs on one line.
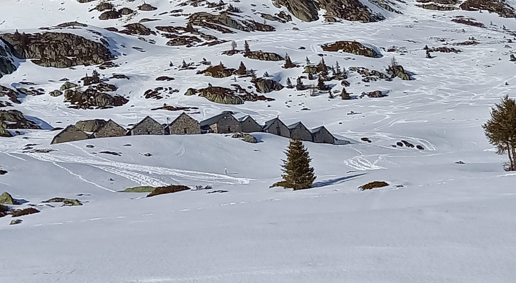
[[185, 125]]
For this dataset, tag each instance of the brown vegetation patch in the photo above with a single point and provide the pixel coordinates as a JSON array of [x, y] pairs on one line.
[[218, 71], [165, 78], [353, 47], [373, 185], [467, 21], [173, 108], [168, 190], [444, 49], [25, 211]]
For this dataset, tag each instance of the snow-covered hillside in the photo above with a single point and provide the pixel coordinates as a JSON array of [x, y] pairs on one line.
[[446, 216]]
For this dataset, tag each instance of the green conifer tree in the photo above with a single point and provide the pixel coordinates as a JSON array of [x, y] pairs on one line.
[[297, 173], [501, 129]]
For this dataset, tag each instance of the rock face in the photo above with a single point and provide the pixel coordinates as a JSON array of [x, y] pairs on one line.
[[13, 95], [398, 71], [263, 56], [59, 50], [219, 22], [351, 10], [90, 125], [3, 130], [91, 98], [351, 47], [6, 59], [220, 95], [70, 133], [305, 10], [16, 120], [495, 6], [265, 85]]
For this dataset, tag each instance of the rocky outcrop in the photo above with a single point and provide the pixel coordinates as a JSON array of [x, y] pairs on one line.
[[351, 47], [56, 93], [137, 29], [92, 99], [494, 6], [263, 56], [182, 40], [266, 85], [218, 71], [6, 59], [219, 22], [351, 10], [3, 130], [65, 201], [227, 96], [305, 10], [146, 7], [59, 50], [110, 15], [12, 94], [14, 119], [90, 125], [398, 71]]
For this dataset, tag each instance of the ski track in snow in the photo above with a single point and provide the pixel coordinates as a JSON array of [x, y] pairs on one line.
[[133, 171]]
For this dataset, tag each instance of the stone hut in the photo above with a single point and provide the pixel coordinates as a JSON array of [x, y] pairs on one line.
[[110, 129], [322, 135], [222, 124], [249, 125], [70, 133], [147, 126], [298, 131], [276, 127], [90, 125], [184, 125]]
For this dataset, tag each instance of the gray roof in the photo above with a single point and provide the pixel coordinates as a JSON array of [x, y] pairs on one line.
[[182, 114], [315, 130], [146, 118], [270, 122], [293, 126], [213, 120]]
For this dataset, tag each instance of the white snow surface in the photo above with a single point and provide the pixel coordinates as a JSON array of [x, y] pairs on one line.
[[437, 221]]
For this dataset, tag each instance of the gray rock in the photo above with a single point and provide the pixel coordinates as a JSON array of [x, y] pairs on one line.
[[6, 59], [90, 125], [59, 50], [249, 138], [56, 93], [3, 130], [91, 98], [305, 10], [265, 85], [67, 85], [16, 120], [15, 221]]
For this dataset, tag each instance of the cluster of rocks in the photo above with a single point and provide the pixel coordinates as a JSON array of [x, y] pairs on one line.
[[352, 47], [14, 119], [59, 50], [224, 22], [6, 59], [224, 95]]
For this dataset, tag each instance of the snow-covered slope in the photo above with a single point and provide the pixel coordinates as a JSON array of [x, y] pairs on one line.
[[439, 220]]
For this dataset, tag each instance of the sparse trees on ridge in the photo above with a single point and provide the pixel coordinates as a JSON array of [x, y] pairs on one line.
[[501, 129]]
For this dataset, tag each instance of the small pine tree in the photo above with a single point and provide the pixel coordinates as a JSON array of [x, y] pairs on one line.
[[289, 83], [320, 83], [308, 61], [246, 47], [266, 74], [233, 45], [288, 63], [242, 70], [299, 84], [297, 173], [501, 129], [338, 72], [344, 94]]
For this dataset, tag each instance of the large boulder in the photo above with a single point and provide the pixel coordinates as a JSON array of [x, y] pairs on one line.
[[6, 198], [494, 6], [350, 10], [305, 10], [353, 47], [59, 50], [6, 59], [92, 98], [219, 22], [15, 120], [265, 85], [12, 94]]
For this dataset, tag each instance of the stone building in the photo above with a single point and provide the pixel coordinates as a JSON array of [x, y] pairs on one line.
[[298, 131], [90, 125], [70, 133], [110, 129], [147, 126], [222, 124], [184, 125], [322, 135], [249, 125], [276, 127]]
